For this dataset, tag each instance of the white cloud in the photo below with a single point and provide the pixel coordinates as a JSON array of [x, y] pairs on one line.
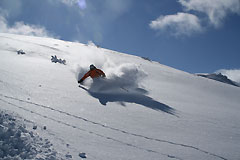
[[204, 13], [23, 29], [178, 24], [233, 74], [216, 10]]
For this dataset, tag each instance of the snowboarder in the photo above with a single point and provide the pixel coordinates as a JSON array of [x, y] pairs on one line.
[[93, 73]]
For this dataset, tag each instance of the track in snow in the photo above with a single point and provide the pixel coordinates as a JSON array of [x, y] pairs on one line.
[[90, 132], [108, 127]]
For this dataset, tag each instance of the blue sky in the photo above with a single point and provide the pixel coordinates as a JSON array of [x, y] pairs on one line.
[[190, 35]]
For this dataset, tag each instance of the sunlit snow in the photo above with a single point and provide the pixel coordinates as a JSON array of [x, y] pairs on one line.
[[142, 110]]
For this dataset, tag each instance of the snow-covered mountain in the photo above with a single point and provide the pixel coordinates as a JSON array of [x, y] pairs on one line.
[[142, 110], [219, 77]]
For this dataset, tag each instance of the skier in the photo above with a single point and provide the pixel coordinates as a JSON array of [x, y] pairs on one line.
[[93, 73]]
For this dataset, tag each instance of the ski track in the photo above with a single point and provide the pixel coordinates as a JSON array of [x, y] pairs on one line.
[[90, 132], [108, 127]]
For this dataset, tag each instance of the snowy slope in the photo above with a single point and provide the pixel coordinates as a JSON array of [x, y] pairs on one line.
[[219, 77], [143, 110]]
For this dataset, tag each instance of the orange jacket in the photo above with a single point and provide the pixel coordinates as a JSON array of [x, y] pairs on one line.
[[95, 73]]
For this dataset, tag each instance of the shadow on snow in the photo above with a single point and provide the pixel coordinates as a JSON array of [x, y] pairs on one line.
[[122, 86], [137, 96]]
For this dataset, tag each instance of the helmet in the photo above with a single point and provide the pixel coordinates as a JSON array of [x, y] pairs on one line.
[[92, 67]]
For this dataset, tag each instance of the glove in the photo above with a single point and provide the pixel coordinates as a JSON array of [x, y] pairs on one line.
[[80, 81]]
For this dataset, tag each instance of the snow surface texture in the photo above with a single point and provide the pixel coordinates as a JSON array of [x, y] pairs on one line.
[[142, 110], [16, 142]]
